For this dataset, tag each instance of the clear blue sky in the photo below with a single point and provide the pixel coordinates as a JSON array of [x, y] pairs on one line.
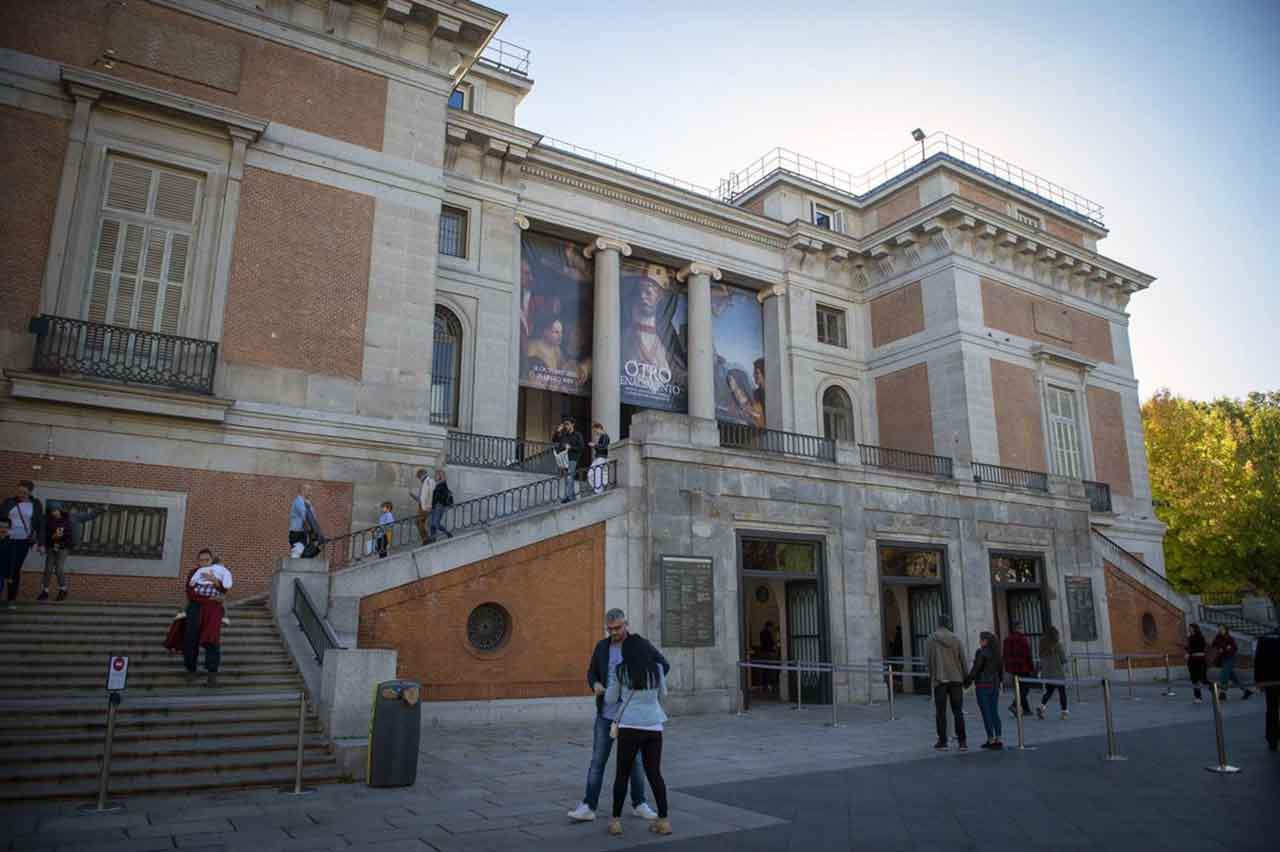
[[1168, 114]]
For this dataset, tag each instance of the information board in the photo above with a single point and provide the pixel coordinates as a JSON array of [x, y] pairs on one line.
[[688, 602], [1084, 625]]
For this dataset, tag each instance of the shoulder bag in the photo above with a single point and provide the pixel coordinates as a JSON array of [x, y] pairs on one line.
[[613, 729]]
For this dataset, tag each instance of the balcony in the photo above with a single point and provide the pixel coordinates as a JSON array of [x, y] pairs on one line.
[[468, 449], [905, 460], [77, 348], [1099, 494], [1010, 477], [776, 442]]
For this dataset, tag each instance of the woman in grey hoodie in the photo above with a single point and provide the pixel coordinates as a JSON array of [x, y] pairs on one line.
[[640, 685], [1053, 661]]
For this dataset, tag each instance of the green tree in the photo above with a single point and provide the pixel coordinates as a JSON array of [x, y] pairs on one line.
[[1256, 425]]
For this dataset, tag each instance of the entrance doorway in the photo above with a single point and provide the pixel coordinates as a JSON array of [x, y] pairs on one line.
[[784, 616], [1017, 590], [913, 587], [541, 411]]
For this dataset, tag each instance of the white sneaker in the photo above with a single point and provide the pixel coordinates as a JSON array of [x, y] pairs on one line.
[[582, 813], [1065, 715], [643, 811]]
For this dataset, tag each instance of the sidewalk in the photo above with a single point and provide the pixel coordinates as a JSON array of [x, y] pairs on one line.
[[508, 787]]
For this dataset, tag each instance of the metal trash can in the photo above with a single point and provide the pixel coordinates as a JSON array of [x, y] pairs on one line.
[[394, 732]]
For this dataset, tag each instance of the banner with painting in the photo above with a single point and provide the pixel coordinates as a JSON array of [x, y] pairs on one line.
[[655, 334], [737, 331], [555, 315]]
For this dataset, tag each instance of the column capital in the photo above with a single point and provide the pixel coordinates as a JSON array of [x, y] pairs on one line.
[[768, 292], [607, 244], [522, 222], [698, 268]]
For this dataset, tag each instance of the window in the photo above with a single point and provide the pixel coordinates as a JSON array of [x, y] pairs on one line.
[[458, 100], [129, 532], [789, 557], [826, 217], [832, 327], [1149, 630], [453, 232], [143, 249], [916, 564], [488, 627], [1015, 570], [1029, 219], [446, 368], [837, 415], [1064, 433]]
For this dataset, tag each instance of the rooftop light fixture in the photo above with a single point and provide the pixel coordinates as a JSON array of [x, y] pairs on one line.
[[918, 135]]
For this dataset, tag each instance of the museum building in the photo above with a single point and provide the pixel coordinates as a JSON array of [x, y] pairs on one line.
[[257, 245]]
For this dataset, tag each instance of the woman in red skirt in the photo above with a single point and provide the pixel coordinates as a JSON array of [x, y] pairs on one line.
[[206, 588]]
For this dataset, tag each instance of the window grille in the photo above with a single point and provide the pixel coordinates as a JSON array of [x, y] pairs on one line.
[[1064, 432], [837, 415], [1029, 219], [120, 532], [446, 368], [832, 328], [453, 232]]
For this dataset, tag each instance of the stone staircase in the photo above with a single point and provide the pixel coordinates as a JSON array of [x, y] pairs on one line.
[[57, 651]]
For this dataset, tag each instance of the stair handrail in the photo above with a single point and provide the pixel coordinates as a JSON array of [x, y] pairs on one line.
[[1133, 558], [319, 632], [1243, 623]]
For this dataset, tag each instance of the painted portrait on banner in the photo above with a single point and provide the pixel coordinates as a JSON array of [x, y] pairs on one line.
[[654, 342], [555, 315], [737, 330]]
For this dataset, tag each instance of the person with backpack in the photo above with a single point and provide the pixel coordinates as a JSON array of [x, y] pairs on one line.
[[1017, 661], [25, 515], [441, 500], [987, 674], [61, 530], [1053, 666]]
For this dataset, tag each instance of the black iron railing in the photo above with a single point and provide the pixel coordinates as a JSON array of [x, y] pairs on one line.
[[372, 542], [1099, 494], [76, 347], [318, 632], [472, 450], [906, 460], [776, 442], [1233, 619], [1010, 477]]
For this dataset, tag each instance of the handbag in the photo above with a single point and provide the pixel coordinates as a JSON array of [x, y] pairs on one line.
[[613, 728], [562, 459]]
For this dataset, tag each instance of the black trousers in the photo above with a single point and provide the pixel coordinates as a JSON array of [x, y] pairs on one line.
[[1198, 670], [191, 643], [1048, 691], [1273, 715], [648, 744], [954, 694], [13, 553], [1024, 688]]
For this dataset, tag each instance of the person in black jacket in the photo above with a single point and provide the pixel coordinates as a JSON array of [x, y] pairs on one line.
[[1266, 669], [25, 515], [441, 500], [603, 667], [61, 531], [987, 673], [568, 441]]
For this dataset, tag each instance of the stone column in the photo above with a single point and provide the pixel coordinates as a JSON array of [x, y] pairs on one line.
[[514, 426], [606, 348], [702, 367], [775, 401], [56, 298]]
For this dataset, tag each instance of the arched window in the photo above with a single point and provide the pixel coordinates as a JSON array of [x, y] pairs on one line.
[[446, 368], [837, 414]]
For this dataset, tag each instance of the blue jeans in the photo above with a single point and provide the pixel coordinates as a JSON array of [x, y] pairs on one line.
[[989, 706], [568, 483], [1227, 675], [601, 746], [437, 522]]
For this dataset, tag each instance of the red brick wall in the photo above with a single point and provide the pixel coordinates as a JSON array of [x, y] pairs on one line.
[[32, 147], [1110, 449], [277, 82], [896, 206], [897, 315], [1018, 425], [980, 196], [1063, 231], [903, 410], [554, 593], [299, 276], [1127, 601], [1008, 309], [241, 517]]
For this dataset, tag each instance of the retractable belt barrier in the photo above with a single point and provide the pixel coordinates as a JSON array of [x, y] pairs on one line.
[[158, 702], [1127, 659]]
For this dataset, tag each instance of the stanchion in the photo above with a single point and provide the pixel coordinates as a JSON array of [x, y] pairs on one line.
[[835, 719], [1112, 752], [1223, 768], [892, 717], [102, 806], [1017, 710], [1075, 675], [745, 707], [799, 685], [870, 660], [1168, 678], [1128, 662], [298, 789]]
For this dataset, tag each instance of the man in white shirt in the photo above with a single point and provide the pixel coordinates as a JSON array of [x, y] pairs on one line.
[[426, 486], [26, 529]]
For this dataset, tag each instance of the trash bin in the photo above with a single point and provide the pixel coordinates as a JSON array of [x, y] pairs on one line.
[[394, 732]]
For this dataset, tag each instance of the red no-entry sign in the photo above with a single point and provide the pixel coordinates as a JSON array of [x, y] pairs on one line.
[[117, 672]]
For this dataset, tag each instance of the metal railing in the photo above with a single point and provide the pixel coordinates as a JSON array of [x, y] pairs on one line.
[[775, 441], [1119, 554], [905, 460], [473, 450], [631, 168], [319, 633], [1099, 494], [935, 144], [1010, 477], [506, 56], [375, 541], [1234, 620], [66, 346]]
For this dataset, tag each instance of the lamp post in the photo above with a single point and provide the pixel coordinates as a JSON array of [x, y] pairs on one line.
[[918, 135]]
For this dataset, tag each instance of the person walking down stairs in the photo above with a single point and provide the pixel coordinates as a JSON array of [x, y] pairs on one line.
[[202, 627], [61, 530]]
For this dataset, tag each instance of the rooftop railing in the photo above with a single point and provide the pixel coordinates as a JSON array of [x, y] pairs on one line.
[[506, 56], [783, 159], [1010, 477], [623, 165]]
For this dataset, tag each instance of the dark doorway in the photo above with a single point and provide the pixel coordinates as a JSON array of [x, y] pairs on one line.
[[804, 632], [1017, 590]]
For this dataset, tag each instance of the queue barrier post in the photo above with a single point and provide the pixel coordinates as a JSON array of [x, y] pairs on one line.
[[1168, 678], [1017, 703], [1075, 675], [298, 789], [870, 660], [1223, 768], [892, 715], [835, 718], [102, 805], [799, 685], [1113, 752], [1128, 663]]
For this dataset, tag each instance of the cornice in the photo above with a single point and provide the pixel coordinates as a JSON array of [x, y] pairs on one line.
[[79, 79], [481, 127]]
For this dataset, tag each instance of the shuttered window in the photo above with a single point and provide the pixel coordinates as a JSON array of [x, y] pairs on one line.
[[141, 262], [1064, 432]]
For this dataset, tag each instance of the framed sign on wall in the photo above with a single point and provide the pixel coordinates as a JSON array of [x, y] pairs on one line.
[[688, 602]]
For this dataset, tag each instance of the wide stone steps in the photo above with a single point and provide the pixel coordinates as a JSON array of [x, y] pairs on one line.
[[59, 650]]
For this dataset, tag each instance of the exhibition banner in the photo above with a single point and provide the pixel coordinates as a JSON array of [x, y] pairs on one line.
[[737, 331], [555, 315], [654, 327]]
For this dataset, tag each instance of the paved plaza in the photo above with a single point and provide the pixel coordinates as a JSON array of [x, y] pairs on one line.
[[774, 779]]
